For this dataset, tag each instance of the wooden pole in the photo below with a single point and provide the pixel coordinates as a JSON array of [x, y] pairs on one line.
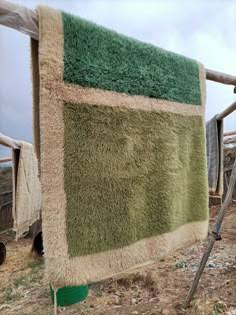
[[227, 111], [9, 142], [231, 133], [215, 235], [220, 77], [5, 159], [25, 20], [19, 18]]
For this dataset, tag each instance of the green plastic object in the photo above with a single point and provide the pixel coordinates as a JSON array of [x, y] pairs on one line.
[[70, 295]]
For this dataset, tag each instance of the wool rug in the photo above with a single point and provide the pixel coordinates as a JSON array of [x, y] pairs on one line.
[[120, 134]]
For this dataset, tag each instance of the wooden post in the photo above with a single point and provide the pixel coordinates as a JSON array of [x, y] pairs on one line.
[[215, 235]]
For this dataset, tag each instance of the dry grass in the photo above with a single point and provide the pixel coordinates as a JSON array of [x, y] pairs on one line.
[[158, 289]]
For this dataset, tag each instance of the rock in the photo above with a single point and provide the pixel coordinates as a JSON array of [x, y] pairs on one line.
[[117, 300], [134, 313], [211, 265], [133, 301]]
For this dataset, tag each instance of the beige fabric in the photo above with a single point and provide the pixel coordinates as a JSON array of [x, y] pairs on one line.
[[26, 189], [215, 156]]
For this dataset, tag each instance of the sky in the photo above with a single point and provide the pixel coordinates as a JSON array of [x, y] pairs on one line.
[[203, 30]]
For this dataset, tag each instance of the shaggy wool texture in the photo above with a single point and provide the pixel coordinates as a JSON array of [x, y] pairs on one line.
[[120, 134]]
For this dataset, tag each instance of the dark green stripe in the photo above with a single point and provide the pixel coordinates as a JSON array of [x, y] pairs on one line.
[[130, 174], [100, 58]]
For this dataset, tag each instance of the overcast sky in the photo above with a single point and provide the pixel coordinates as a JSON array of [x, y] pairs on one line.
[[203, 30]]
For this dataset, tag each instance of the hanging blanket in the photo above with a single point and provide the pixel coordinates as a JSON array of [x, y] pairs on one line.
[[120, 131], [26, 188], [215, 156]]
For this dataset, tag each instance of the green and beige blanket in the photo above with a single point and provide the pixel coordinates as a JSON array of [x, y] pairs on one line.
[[119, 130]]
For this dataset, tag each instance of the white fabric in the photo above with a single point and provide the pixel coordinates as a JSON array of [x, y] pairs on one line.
[[26, 188]]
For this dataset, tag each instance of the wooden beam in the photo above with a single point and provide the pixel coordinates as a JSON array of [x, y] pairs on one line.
[[9, 142], [220, 77], [5, 204], [19, 18], [5, 159], [231, 133], [25, 21], [2, 193], [227, 111]]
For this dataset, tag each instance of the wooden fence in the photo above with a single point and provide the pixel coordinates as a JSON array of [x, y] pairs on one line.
[[6, 220]]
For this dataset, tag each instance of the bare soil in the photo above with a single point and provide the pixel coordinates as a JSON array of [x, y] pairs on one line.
[[157, 289]]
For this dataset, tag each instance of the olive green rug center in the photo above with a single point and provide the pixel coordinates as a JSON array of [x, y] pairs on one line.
[[126, 176]]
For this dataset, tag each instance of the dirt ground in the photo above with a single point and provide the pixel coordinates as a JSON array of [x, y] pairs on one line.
[[159, 289]]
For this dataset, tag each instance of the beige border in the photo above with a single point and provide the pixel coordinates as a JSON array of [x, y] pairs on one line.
[[61, 269], [202, 80], [52, 136], [73, 93], [88, 269]]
